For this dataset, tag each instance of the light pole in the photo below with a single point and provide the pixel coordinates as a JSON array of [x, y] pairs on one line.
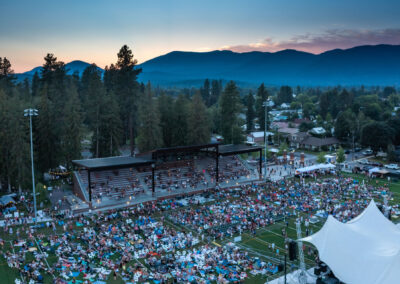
[[32, 112], [265, 105]]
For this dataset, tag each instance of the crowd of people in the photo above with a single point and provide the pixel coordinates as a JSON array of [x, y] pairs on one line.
[[163, 241], [230, 169], [229, 217]]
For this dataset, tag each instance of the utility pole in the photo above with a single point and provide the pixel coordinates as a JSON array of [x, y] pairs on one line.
[[32, 112], [265, 105]]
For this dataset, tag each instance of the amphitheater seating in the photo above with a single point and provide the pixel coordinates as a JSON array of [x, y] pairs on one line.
[[175, 175], [126, 182], [230, 168], [113, 183], [169, 177]]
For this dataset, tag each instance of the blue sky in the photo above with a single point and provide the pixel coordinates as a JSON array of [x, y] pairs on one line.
[[93, 31]]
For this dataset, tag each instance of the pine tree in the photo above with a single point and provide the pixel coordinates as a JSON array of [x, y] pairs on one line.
[[149, 133], [46, 138], [250, 112], [166, 110], [5, 138], [6, 75], [128, 92], [35, 85], [111, 126], [262, 96], [216, 88], [198, 123], [285, 95], [229, 106], [72, 137], [107, 130], [19, 148], [206, 91], [180, 127]]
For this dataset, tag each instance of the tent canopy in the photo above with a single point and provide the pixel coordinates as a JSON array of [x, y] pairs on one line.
[[314, 168], [363, 250], [6, 199]]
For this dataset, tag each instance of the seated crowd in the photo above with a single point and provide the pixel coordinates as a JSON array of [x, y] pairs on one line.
[[230, 169], [141, 244]]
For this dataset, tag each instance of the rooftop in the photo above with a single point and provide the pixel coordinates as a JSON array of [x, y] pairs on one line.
[[112, 162], [318, 142], [226, 150]]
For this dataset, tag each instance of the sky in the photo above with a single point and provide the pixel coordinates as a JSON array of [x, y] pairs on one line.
[[94, 30]]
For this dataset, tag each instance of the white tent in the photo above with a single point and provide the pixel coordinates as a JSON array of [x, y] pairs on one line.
[[364, 250], [314, 168], [373, 170]]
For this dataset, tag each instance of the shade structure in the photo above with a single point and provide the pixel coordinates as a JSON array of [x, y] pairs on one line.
[[314, 168], [364, 250]]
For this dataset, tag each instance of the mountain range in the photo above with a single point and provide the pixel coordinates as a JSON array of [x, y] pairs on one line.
[[362, 65]]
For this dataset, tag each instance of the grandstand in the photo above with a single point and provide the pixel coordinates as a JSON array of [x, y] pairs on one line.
[[162, 173]]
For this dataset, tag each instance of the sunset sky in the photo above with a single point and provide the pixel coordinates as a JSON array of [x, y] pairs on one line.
[[94, 30]]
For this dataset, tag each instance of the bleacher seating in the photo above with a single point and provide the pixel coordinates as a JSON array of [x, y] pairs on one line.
[[175, 175], [169, 177], [113, 183], [123, 183], [230, 168]]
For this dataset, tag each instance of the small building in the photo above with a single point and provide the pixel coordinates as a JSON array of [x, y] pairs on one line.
[[315, 143], [258, 136], [288, 131], [296, 139]]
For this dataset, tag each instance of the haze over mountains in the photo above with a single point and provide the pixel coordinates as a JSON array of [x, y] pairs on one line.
[[362, 65]]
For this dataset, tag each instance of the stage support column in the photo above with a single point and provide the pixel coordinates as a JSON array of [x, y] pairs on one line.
[[217, 166], [90, 188], [285, 267], [153, 185]]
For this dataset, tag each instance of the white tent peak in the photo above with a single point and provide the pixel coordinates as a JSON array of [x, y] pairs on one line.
[[363, 250]]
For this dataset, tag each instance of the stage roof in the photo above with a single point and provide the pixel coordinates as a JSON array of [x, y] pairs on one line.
[[112, 162], [227, 150], [190, 148]]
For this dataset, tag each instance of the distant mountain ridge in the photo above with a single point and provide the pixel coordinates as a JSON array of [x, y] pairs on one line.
[[362, 65], [76, 66]]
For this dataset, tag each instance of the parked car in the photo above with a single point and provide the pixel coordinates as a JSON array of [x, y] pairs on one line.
[[366, 168], [357, 149], [375, 164], [364, 162], [347, 151], [367, 152], [392, 166]]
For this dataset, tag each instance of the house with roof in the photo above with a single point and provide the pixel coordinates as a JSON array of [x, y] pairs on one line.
[[306, 141], [258, 136], [316, 143]]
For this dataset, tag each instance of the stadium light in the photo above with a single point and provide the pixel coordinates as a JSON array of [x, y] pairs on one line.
[[265, 105], [32, 112]]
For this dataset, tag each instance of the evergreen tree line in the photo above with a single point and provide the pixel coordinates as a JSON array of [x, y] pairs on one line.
[[110, 109]]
